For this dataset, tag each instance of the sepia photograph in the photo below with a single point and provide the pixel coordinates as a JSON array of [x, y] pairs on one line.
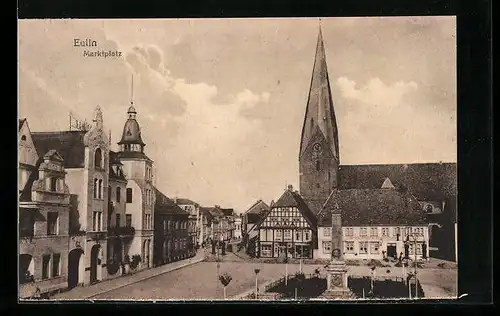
[[237, 159]]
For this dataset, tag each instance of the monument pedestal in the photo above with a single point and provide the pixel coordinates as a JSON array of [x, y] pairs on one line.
[[337, 282]]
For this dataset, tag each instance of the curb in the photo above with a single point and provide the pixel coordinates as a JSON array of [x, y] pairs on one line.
[[147, 278]]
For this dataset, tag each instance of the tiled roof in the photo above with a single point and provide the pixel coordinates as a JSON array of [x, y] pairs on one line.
[[69, 144], [21, 122], [133, 154], [165, 205], [293, 199], [258, 207], [184, 201], [426, 181], [365, 207]]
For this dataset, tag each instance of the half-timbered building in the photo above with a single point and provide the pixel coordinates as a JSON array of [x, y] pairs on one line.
[[289, 229]]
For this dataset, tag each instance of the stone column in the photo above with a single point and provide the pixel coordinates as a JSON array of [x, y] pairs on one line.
[[337, 270]]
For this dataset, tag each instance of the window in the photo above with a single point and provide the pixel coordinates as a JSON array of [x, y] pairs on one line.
[[128, 220], [385, 231], [53, 184], [23, 137], [45, 266], [349, 247], [278, 234], [118, 218], [373, 232], [318, 165], [98, 158], [363, 247], [265, 251], [129, 195], [95, 188], [374, 247], [118, 194], [164, 224], [287, 234], [97, 221], [363, 231], [26, 224], [350, 231], [52, 223], [327, 232], [306, 235], [419, 249], [56, 260], [100, 188], [327, 247]]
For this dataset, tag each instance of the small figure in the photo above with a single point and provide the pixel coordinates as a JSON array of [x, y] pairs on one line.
[[37, 294]]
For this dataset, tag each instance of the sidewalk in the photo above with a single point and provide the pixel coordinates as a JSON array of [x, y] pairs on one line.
[[87, 292]]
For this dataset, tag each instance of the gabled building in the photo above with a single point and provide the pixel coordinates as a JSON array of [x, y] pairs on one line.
[[193, 208], [139, 194], [250, 219], [376, 223], [206, 232], [289, 229], [238, 219], [44, 208], [171, 239]]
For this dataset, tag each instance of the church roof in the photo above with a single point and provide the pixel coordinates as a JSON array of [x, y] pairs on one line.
[[426, 181], [320, 113], [293, 199], [69, 144], [133, 154], [131, 133], [165, 205], [369, 207]]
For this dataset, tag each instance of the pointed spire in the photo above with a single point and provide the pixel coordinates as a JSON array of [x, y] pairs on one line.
[[320, 113], [98, 116]]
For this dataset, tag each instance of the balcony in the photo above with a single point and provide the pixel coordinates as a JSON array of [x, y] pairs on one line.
[[94, 235], [121, 231]]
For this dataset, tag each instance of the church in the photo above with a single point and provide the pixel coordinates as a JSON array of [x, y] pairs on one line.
[[386, 209]]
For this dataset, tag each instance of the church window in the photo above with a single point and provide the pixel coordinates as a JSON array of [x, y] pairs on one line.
[[53, 184], [100, 188], [129, 195], [318, 165], [118, 194], [98, 158], [23, 137], [312, 124]]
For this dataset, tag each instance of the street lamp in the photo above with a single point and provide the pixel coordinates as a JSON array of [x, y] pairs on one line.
[[256, 283], [413, 236]]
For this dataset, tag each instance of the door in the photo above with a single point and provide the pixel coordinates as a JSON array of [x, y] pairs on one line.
[[95, 263], [391, 251], [74, 257]]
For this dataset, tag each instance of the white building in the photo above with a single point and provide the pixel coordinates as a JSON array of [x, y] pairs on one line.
[[238, 221]]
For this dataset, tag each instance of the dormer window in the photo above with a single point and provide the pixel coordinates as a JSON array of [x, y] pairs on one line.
[[98, 158], [53, 184]]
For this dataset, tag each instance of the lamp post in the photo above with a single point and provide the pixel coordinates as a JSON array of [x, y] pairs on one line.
[[256, 283]]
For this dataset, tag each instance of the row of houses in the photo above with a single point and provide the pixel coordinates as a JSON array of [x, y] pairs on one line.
[[376, 224], [87, 213]]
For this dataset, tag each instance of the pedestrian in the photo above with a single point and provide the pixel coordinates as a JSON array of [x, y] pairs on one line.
[[37, 294]]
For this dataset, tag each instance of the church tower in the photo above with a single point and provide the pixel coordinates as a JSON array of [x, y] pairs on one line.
[[319, 146]]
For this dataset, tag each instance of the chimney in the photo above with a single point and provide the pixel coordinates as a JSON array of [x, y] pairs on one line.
[[290, 188]]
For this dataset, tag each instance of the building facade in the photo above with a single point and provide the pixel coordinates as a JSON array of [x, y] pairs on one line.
[[194, 228], [139, 193], [238, 226], [172, 240], [120, 229], [288, 230], [43, 218]]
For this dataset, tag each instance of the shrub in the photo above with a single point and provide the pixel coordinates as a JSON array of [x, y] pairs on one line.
[[375, 263], [112, 266], [352, 262], [398, 264], [136, 259]]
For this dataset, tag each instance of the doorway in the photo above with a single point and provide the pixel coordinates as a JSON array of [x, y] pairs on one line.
[[74, 263], [391, 251], [95, 263]]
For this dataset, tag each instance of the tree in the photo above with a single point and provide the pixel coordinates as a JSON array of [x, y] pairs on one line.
[[225, 279]]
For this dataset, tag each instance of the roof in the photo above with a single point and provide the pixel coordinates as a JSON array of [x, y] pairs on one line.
[[69, 144], [183, 201], [114, 158], [165, 205], [131, 132], [365, 207], [227, 211], [133, 154], [21, 123], [426, 181], [293, 199], [258, 207]]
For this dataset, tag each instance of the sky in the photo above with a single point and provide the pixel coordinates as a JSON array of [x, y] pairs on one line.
[[221, 102]]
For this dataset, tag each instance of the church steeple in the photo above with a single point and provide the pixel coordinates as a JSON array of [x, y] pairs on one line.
[[131, 137], [319, 111], [319, 146]]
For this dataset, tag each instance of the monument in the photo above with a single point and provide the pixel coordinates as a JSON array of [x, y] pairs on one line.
[[337, 270]]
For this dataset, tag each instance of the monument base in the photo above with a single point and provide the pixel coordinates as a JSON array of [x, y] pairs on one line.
[[337, 282]]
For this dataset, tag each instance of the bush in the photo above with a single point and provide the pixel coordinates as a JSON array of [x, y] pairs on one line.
[[112, 266], [375, 263], [136, 259], [352, 262]]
